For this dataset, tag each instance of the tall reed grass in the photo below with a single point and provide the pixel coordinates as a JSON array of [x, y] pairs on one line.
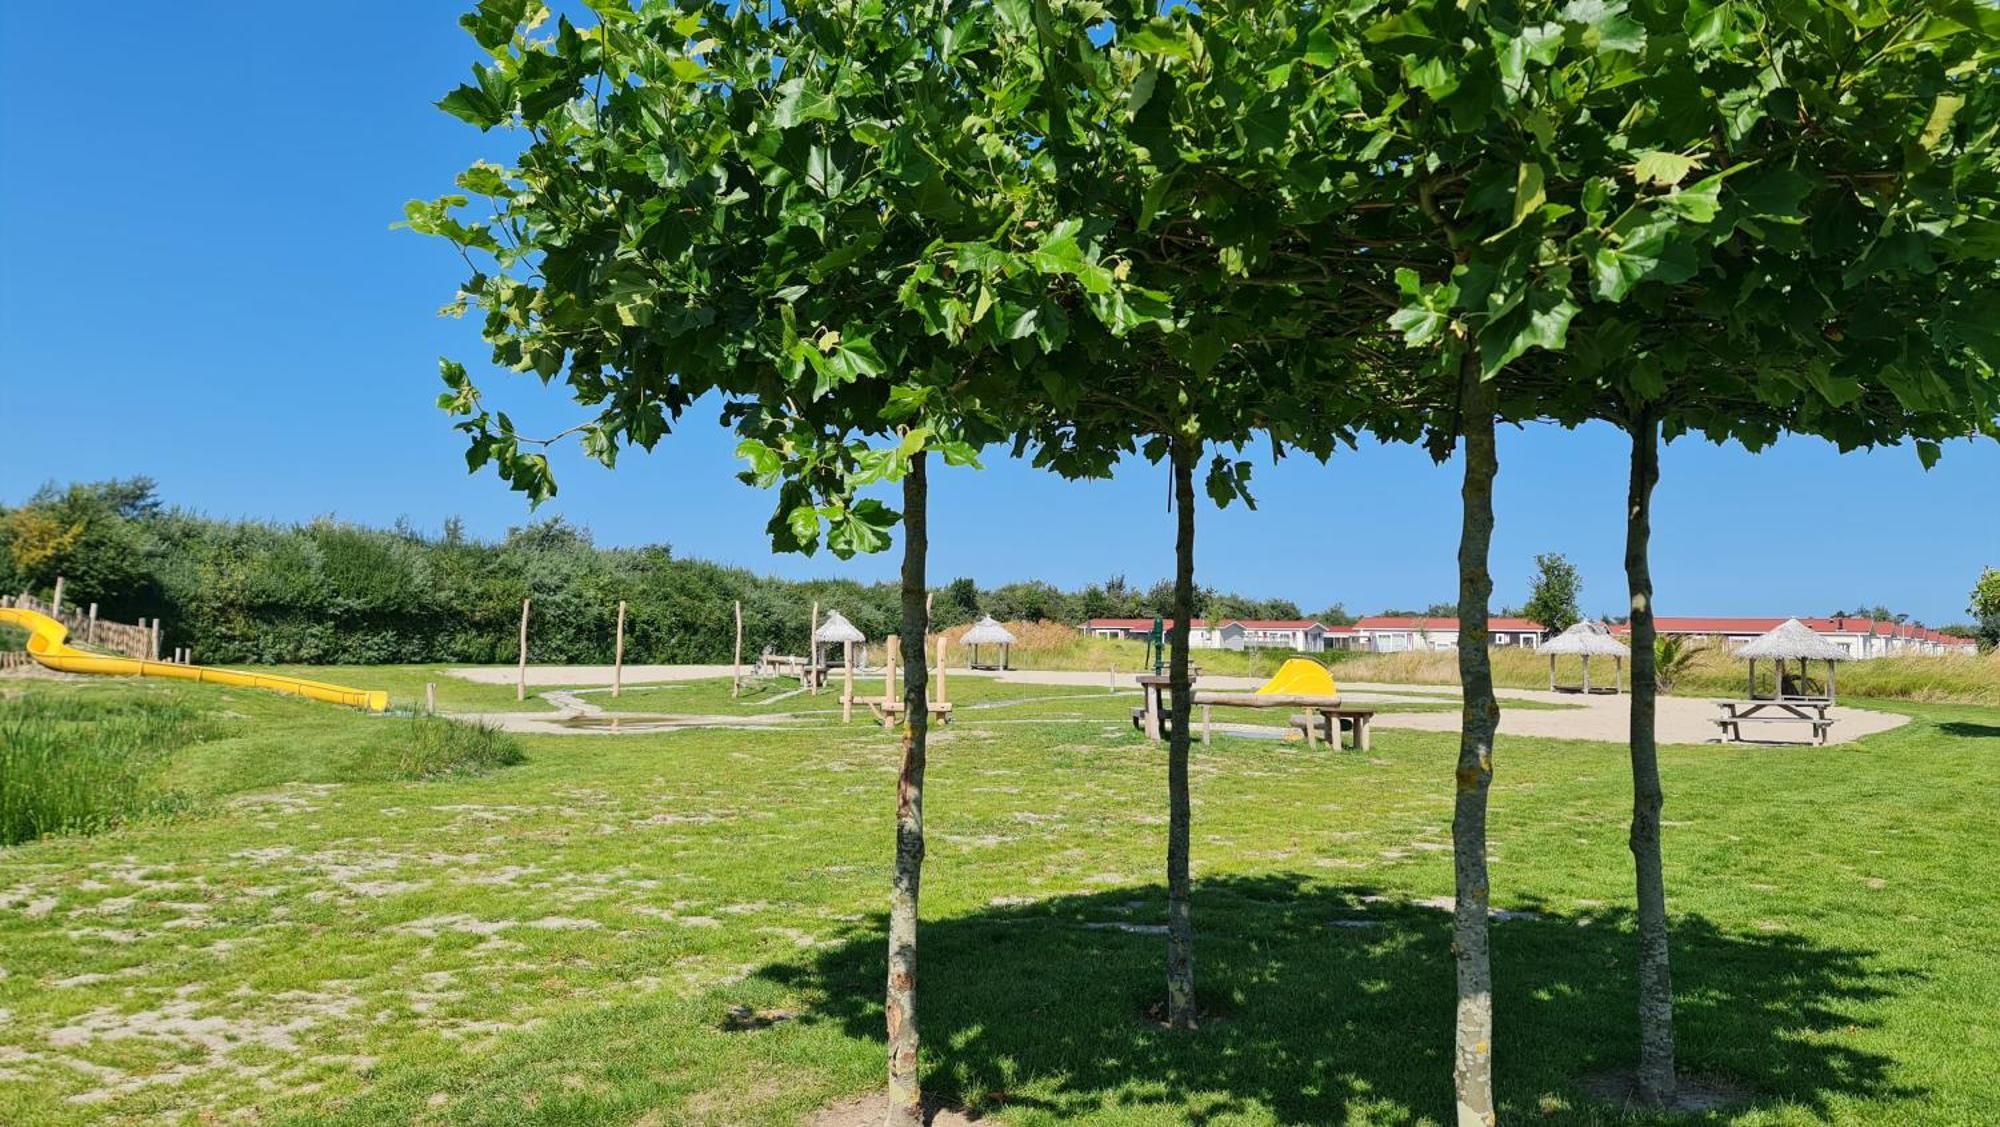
[[77, 764], [434, 747]]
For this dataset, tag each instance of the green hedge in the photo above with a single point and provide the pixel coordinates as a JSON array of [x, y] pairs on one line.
[[242, 592]]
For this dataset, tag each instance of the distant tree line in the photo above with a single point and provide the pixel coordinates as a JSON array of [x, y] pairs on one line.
[[327, 592]]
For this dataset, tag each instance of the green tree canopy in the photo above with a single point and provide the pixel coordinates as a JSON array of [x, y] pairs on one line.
[[1554, 599]]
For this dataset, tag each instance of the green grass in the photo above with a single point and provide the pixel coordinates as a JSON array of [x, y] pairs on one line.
[[565, 940], [75, 765]]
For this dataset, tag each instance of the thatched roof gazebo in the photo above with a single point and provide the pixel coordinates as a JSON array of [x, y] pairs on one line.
[[835, 631], [1587, 640], [1792, 640], [987, 632]]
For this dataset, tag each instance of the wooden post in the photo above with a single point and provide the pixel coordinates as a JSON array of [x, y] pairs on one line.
[[736, 670], [1753, 680], [90, 632], [943, 697], [521, 674], [430, 698], [618, 653], [808, 677], [847, 682], [1586, 674], [154, 642], [1207, 723], [1552, 673], [889, 648], [1830, 694], [55, 605]]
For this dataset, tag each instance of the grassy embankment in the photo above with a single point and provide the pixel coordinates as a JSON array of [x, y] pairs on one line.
[[688, 928], [78, 758]]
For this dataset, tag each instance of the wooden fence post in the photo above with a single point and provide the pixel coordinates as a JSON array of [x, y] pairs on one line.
[[809, 677], [55, 605], [847, 682], [90, 632], [889, 648], [736, 670], [430, 698], [521, 676], [618, 653], [943, 697]]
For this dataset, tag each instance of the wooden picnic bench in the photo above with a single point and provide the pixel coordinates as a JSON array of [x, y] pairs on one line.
[[1736, 713], [1321, 716]]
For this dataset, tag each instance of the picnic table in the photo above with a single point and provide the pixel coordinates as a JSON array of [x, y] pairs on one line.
[[1320, 716], [1736, 713]]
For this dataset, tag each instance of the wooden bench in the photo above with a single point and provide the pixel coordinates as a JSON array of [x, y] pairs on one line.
[[1735, 714], [890, 711], [1322, 714], [1327, 721]]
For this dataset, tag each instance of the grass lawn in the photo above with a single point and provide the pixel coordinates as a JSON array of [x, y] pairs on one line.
[[688, 927]]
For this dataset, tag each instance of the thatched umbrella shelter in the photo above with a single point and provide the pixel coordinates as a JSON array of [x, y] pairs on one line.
[[1792, 640], [987, 632], [835, 631], [1587, 640]]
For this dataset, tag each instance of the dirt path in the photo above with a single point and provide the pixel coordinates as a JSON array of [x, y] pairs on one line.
[[1605, 718]]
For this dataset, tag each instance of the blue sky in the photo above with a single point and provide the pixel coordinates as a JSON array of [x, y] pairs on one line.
[[195, 258]]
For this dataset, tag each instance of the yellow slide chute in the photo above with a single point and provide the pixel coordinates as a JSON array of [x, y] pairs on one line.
[[48, 644], [1300, 677]]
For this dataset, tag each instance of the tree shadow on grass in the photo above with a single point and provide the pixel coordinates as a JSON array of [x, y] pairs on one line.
[[1966, 730], [1332, 1005]]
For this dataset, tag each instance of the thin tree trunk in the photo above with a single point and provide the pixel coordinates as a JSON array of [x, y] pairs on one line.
[[906, 1101], [1180, 921], [1473, 1049], [1656, 989]]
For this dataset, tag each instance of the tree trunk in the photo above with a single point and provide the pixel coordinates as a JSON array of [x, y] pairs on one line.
[[1180, 921], [1656, 990], [906, 1101], [1473, 1049]]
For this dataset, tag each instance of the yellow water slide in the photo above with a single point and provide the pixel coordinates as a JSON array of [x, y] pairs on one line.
[[48, 644]]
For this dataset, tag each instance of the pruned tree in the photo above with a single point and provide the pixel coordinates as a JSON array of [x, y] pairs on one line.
[[1732, 220], [1167, 180], [805, 212]]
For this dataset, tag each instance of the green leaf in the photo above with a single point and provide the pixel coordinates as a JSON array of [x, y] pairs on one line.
[[1943, 110], [803, 523], [1642, 253], [1662, 168], [798, 102], [1540, 322], [1605, 26], [492, 23], [486, 180], [1162, 37], [477, 106]]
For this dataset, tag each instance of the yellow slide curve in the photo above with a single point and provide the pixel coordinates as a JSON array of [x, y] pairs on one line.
[[1301, 677], [48, 644]]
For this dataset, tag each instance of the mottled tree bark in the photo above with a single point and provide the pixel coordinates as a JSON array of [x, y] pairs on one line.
[[1180, 921], [906, 1101], [1473, 1042], [1656, 1082]]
